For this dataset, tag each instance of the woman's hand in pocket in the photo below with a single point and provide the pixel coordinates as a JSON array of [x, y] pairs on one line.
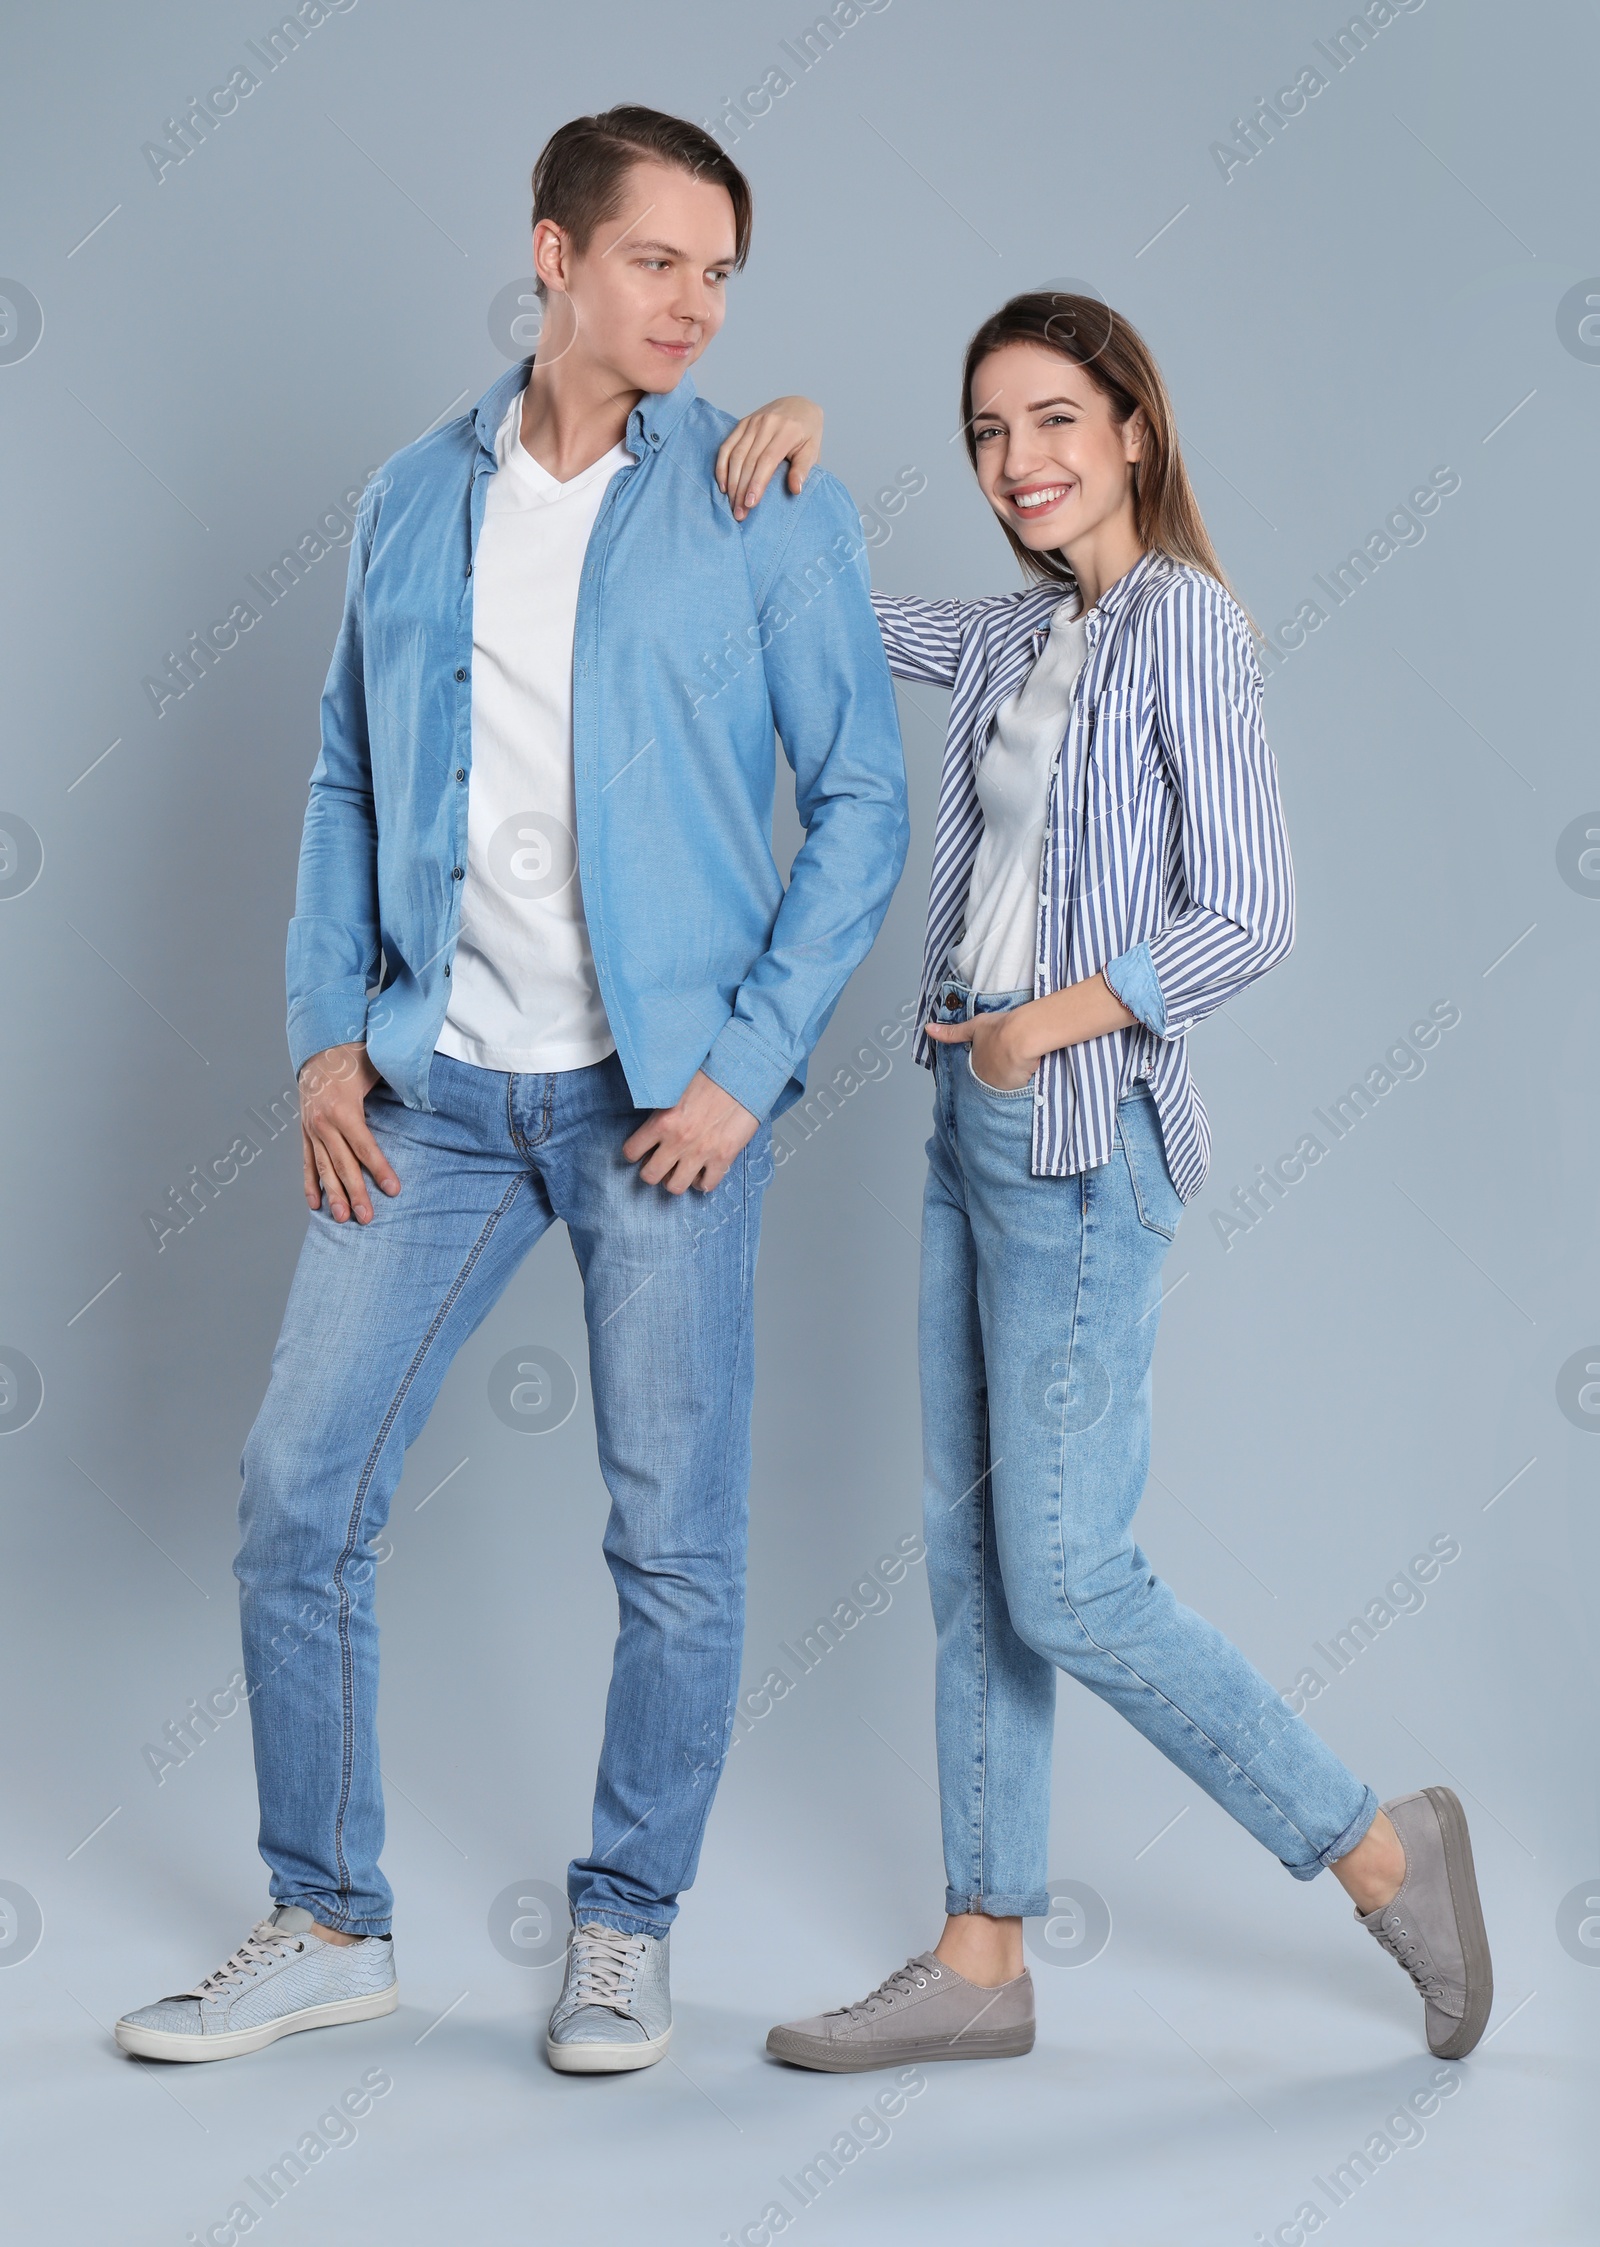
[[788, 429], [1001, 1056]]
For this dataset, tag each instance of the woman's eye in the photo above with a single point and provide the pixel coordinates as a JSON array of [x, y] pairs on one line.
[[981, 436]]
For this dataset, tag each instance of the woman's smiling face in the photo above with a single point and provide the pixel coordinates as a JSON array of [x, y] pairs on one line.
[[1052, 462]]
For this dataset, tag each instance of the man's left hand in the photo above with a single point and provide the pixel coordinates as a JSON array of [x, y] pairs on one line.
[[694, 1142]]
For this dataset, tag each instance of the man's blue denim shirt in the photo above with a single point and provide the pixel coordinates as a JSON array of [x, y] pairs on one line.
[[696, 637]]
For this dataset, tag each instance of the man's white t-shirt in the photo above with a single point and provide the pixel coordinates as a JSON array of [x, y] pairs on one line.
[[523, 992]]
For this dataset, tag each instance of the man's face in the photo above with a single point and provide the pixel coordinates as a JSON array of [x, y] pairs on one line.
[[649, 292]]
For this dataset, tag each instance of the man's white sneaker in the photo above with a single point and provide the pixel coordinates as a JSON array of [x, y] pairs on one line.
[[615, 2007], [281, 1979]]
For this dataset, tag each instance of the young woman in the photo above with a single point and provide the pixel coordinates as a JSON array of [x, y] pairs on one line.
[[1109, 867]]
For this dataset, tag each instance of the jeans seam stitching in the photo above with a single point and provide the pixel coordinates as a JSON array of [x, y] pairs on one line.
[[746, 1307], [346, 1657], [981, 1571], [746, 1311], [1199, 1730], [1072, 1351], [1067, 1602]]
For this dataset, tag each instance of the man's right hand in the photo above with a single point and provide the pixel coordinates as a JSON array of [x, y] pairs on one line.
[[334, 1139]]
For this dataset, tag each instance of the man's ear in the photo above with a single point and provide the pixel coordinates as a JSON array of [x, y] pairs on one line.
[[552, 255]]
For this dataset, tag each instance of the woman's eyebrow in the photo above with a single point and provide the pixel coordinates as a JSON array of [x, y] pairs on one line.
[[1040, 404]]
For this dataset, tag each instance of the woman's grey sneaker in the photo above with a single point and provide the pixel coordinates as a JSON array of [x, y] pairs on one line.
[[924, 2011], [615, 2007], [1434, 1925], [281, 1979]]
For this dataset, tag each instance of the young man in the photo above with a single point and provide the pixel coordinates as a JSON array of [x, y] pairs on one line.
[[543, 814]]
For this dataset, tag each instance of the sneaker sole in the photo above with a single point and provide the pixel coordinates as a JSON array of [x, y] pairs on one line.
[[168, 2044], [1469, 1920], [826, 2058], [606, 2059]]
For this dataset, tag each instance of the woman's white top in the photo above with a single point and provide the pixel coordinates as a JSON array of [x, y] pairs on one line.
[[994, 950]]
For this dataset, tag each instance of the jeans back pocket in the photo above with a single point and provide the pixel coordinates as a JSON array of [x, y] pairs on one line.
[[1155, 1197]]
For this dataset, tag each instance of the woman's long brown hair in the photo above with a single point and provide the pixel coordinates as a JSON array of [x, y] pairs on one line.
[[1115, 357]]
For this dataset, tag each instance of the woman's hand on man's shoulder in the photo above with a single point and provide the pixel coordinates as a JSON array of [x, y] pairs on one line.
[[786, 429]]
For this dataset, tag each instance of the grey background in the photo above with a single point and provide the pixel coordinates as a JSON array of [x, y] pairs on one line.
[[1374, 1364]]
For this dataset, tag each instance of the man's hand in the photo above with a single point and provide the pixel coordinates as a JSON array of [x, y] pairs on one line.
[[789, 429], [694, 1142], [334, 1140]]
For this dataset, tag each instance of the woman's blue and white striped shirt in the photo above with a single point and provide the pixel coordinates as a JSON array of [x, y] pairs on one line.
[[1165, 860]]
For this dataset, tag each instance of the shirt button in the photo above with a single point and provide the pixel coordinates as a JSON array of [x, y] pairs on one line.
[[461, 674], [461, 772], [455, 873], [447, 975]]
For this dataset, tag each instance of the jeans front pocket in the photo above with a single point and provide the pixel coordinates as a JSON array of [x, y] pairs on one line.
[[1000, 1092]]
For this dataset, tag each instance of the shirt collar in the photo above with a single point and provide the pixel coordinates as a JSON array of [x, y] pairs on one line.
[[658, 413], [1037, 606], [495, 403], [650, 424], [1151, 563]]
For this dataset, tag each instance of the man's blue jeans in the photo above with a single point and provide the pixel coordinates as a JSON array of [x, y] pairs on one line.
[[1039, 1304], [375, 1316]]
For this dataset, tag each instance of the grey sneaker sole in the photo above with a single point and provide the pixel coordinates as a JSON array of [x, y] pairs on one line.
[[166, 2044], [830, 2057], [1469, 1918], [606, 2059]]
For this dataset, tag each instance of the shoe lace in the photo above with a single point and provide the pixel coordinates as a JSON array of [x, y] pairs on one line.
[[1411, 1952], [265, 1945], [605, 1968], [900, 1983]]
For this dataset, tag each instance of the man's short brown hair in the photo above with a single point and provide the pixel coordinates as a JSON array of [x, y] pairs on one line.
[[578, 181]]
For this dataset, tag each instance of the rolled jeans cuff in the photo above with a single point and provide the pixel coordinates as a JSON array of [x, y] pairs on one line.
[[620, 1923], [1033, 1905], [329, 1915], [1343, 1843]]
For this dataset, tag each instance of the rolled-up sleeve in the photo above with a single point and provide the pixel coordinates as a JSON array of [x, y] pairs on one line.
[[922, 639], [1132, 978]]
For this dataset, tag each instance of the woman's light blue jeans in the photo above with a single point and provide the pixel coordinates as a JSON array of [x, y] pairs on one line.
[[375, 1316], [1040, 1299]]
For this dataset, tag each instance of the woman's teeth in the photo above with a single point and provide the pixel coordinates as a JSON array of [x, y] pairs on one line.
[[1046, 498]]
